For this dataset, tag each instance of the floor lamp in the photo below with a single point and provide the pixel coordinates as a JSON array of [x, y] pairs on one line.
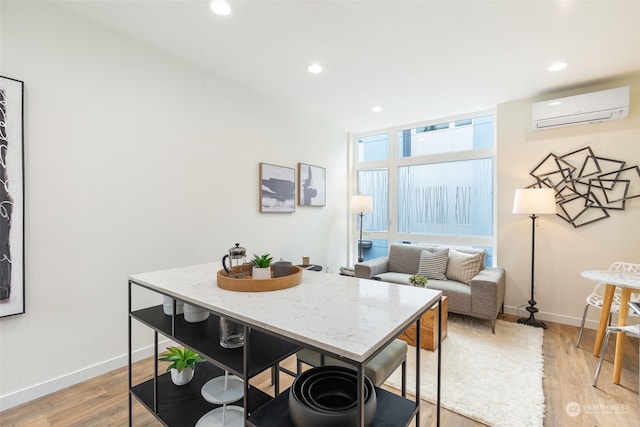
[[361, 204], [534, 201]]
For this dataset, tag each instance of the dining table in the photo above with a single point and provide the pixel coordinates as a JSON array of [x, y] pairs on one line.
[[628, 282]]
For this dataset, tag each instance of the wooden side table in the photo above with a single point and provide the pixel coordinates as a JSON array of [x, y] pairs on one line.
[[428, 328]]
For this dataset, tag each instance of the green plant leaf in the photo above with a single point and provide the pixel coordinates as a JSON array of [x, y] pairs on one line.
[[180, 358], [262, 261]]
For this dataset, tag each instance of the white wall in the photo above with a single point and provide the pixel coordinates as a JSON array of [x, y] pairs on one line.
[[562, 251], [136, 162]]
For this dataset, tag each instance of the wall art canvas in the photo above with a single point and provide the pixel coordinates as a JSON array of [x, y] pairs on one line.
[[12, 298], [313, 185], [277, 188]]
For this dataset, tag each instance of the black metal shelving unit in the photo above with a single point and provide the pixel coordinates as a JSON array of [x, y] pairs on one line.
[[184, 405]]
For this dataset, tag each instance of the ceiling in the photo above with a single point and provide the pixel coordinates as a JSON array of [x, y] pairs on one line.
[[419, 60]]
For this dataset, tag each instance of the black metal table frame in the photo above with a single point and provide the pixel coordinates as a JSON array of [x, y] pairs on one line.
[[359, 366]]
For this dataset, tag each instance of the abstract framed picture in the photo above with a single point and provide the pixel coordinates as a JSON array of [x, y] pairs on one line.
[[12, 298], [312, 181], [277, 188]]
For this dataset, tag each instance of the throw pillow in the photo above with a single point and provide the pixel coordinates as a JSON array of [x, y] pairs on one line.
[[463, 267], [433, 265]]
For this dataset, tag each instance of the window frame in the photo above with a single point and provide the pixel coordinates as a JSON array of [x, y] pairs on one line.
[[395, 161]]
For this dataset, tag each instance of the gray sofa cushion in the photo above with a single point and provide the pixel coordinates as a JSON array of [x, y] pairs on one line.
[[404, 259], [433, 265], [463, 266], [483, 254], [458, 294], [393, 277], [377, 370]]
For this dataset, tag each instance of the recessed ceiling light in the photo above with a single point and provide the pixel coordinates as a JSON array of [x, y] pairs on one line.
[[314, 68], [220, 7], [376, 109], [554, 103], [558, 66]]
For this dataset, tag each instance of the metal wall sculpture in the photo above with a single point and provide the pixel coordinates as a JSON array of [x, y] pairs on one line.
[[587, 186]]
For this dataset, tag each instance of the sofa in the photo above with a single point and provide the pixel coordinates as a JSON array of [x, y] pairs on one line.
[[460, 273]]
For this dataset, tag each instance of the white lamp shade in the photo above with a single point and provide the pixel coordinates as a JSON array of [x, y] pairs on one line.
[[360, 203], [538, 201]]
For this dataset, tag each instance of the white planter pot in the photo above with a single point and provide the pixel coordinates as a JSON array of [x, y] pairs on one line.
[[167, 306], [183, 377], [193, 314], [261, 273]]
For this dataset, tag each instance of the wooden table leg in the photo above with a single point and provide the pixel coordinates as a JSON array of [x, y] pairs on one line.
[[625, 295], [604, 318]]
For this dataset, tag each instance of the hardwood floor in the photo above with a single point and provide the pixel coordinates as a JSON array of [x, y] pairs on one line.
[[570, 398]]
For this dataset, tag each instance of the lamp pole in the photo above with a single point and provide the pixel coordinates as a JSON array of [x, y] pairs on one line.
[[531, 320], [534, 201], [361, 204], [360, 258]]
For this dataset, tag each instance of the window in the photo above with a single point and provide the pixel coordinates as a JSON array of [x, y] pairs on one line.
[[375, 183], [374, 147], [446, 198], [432, 183], [460, 135]]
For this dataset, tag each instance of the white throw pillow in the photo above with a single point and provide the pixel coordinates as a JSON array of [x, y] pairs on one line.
[[434, 265], [463, 267]]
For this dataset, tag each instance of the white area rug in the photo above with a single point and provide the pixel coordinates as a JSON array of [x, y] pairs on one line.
[[494, 379]]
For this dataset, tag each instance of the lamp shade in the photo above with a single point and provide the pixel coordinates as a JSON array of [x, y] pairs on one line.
[[360, 203], [538, 201]]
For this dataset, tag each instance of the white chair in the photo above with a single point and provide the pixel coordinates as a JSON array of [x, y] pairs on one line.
[[596, 297]]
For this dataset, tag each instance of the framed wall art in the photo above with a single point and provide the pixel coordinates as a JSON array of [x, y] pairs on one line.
[[12, 284], [312, 181], [277, 188]]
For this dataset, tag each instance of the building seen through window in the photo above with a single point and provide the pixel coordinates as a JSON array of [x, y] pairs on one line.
[[438, 188]]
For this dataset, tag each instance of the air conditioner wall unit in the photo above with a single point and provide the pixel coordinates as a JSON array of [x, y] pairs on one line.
[[594, 107]]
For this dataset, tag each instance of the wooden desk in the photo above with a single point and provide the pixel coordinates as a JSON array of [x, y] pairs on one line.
[[628, 282]]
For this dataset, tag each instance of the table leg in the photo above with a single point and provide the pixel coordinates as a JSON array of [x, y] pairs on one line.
[[625, 295], [604, 318]]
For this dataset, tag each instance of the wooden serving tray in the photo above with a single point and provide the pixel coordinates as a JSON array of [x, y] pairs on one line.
[[249, 285]]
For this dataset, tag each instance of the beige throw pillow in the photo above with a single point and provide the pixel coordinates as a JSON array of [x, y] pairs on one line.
[[463, 267], [434, 265]]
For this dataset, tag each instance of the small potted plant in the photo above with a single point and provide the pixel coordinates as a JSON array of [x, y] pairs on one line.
[[261, 266], [419, 281], [183, 364]]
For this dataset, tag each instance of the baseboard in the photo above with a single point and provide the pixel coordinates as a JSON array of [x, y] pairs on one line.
[[551, 317], [36, 391]]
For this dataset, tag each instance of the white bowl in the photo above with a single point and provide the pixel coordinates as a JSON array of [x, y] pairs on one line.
[[167, 306], [193, 314]]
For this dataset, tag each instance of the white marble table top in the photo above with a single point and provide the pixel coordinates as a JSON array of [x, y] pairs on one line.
[[625, 279], [344, 315]]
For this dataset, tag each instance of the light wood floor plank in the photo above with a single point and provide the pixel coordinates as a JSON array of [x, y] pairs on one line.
[[103, 401]]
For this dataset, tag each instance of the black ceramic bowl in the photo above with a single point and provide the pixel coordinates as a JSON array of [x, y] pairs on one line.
[[333, 393], [327, 396], [329, 389]]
